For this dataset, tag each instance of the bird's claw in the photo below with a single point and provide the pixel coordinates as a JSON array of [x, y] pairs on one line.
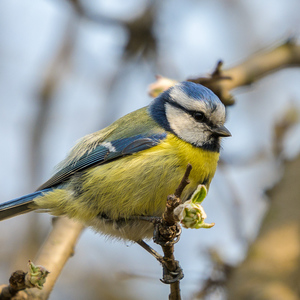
[[172, 276], [166, 236]]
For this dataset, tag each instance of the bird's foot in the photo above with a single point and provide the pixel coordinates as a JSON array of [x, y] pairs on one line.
[[172, 276], [166, 235]]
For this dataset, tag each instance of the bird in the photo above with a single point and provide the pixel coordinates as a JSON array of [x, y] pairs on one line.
[[125, 171]]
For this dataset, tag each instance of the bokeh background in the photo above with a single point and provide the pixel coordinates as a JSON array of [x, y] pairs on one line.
[[68, 68]]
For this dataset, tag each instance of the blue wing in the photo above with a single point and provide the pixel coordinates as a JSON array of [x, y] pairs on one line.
[[104, 153]]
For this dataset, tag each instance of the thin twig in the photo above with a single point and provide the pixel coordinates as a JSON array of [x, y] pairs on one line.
[[166, 234], [184, 182]]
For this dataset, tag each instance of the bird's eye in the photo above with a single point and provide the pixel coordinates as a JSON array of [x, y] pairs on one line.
[[199, 116]]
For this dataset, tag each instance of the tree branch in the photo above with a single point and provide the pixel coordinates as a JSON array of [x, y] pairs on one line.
[[57, 249], [221, 82]]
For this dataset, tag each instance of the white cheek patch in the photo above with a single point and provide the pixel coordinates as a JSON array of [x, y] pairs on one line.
[[109, 146], [186, 127]]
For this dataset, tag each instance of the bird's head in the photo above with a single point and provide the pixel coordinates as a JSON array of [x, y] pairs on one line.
[[193, 113]]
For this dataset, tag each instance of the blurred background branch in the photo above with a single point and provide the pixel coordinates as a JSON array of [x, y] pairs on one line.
[[222, 82], [271, 269]]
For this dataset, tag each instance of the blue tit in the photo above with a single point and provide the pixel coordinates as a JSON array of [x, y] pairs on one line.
[[130, 167]]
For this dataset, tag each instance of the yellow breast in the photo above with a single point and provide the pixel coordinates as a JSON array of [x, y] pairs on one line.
[[137, 184]]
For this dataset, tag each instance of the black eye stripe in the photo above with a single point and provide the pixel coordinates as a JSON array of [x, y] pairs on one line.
[[192, 113], [175, 104]]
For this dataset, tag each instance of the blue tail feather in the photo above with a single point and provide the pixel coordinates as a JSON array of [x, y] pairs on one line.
[[20, 205]]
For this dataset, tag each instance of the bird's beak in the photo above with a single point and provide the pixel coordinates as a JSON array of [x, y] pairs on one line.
[[221, 131]]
